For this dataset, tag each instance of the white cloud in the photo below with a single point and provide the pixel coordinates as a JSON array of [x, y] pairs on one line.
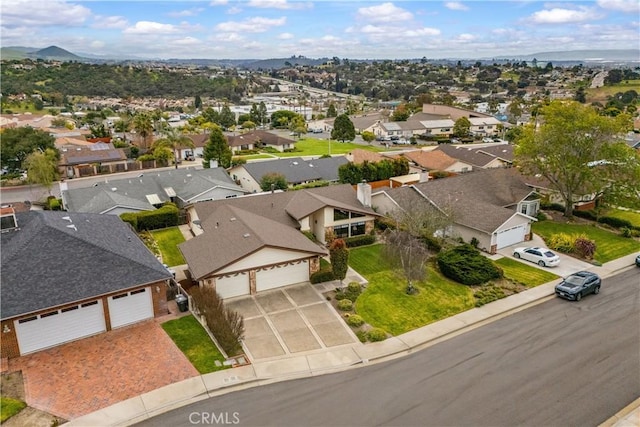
[[110, 22], [386, 12], [233, 10], [372, 29], [563, 16], [285, 36], [42, 14], [97, 44], [251, 25], [621, 5], [278, 4], [465, 37], [455, 5], [421, 32], [228, 37], [186, 12], [148, 27], [218, 2]]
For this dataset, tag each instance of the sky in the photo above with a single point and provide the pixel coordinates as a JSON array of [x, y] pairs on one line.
[[260, 29]]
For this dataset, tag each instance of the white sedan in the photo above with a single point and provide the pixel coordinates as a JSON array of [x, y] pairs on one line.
[[541, 256]]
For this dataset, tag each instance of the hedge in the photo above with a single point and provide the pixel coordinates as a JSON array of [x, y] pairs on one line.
[[466, 265], [166, 216], [615, 222], [363, 240], [321, 276]]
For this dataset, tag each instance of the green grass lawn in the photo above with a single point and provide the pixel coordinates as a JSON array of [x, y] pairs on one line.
[[385, 304], [9, 407], [168, 240], [609, 246], [525, 274], [602, 93], [194, 342], [631, 216], [318, 147], [254, 156]]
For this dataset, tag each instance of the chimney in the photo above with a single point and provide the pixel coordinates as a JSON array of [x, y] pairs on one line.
[[7, 218], [364, 193], [424, 176], [213, 164]]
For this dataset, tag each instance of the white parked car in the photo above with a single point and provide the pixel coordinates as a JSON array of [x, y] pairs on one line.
[[541, 256]]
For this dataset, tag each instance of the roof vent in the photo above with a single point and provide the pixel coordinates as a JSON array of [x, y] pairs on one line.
[[114, 188], [233, 218], [67, 218], [73, 227], [294, 163], [189, 175], [245, 235]]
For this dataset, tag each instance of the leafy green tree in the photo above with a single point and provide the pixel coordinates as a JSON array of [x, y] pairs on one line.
[[58, 122], [99, 131], [197, 102], [174, 140], [343, 129], [578, 151], [282, 118], [461, 127], [273, 181], [227, 118], [143, 125], [217, 149], [368, 136], [298, 125], [339, 256], [331, 111], [211, 116], [401, 113], [248, 125], [42, 167], [17, 143]]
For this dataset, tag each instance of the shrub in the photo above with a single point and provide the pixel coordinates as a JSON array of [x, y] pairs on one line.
[[488, 293], [310, 235], [354, 287], [376, 334], [351, 292], [54, 204], [362, 336], [561, 242], [552, 207], [321, 276], [339, 256], [166, 216], [615, 222], [355, 320], [431, 243], [626, 232], [345, 305], [226, 325], [363, 240], [474, 242], [130, 218], [466, 265], [382, 223], [585, 214], [584, 247]]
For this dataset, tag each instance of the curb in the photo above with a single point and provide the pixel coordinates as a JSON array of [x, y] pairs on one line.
[[625, 417]]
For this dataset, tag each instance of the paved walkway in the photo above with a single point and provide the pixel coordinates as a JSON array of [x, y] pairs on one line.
[[337, 359]]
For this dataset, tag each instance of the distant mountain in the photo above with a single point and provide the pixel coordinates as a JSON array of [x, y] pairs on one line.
[[630, 55], [51, 52]]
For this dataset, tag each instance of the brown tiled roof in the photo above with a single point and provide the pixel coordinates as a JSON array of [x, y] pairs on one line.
[[237, 233], [359, 155], [199, 140], [262, 136], [431, 160], [85, 155]]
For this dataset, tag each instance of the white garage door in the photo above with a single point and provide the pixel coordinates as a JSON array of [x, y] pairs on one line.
[[510, 236], [60, 326], [130, 307], [233, 285], [282, 276]]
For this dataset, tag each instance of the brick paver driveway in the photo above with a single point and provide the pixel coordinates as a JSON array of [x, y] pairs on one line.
[[83, 376]]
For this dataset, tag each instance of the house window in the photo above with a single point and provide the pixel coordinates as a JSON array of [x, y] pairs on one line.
[[341, 231], [356, 215], [339, 214], [357, 229]]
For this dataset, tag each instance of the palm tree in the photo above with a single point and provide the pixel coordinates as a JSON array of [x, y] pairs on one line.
[[174, 139], [143, 126]]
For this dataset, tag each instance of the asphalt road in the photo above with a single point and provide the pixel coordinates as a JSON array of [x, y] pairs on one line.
[[559, 363]]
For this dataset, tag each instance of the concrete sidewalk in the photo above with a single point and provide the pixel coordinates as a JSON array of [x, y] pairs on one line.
[[336, 359]]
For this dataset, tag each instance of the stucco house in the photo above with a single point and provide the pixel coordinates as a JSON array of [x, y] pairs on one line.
[[150, 190], [259, 139], [495, 206], [435, 160], [66, 276], [255, 243], [77, 161]]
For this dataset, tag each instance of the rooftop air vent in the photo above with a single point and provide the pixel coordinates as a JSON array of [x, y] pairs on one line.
[[114, 188], [73, 227], [67, 218], [233, 218], [245, 235]]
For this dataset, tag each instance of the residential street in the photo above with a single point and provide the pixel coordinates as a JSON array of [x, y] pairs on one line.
[[556, 364]]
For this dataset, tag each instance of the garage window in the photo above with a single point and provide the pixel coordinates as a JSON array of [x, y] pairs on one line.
[[27, 319], [64, 310], [139, 291], [87, 304], [51, 313], [119, 296]]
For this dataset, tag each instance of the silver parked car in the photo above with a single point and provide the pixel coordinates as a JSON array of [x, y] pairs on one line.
[[541, 256]]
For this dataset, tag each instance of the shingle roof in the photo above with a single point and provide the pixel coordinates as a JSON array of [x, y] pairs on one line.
[[56, 258], [236, 234], [359, 155], [252, 137], [133, 192], [85, 155], [296, 170], [478, 156], [431, 160]]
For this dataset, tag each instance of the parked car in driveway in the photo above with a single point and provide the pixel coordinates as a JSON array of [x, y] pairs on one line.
[[577, 285], [638, 261], [541, 256]]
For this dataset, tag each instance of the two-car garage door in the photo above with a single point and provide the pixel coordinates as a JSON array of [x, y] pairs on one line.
[[511, 236], [277, 276]]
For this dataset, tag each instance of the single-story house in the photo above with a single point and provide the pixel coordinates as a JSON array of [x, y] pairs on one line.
[[255, 243], [484, 126], [488, 157], [82, 161], [150, 190], [66, 276], [199, 141], [435, 160], [495, 206], [259, 139], [295, 170]]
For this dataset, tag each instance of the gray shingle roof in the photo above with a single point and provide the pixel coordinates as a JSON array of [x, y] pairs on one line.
[[478, 156], [236, 234], [131, 192], [56, 258], [296, 170]]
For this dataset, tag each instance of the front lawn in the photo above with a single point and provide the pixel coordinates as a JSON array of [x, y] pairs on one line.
[[194, 342], [10, 407], [168, 240], [525, 274], [609, 246], [631, 216], [318, 147], [384, 303]]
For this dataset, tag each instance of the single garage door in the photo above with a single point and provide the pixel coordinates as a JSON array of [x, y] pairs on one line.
[[510, 236], [233, 285], [59, 326], [130, 307], [282, 275]]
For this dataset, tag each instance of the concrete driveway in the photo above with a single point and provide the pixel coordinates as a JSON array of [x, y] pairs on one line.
[[288, 320], [568, 264]]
